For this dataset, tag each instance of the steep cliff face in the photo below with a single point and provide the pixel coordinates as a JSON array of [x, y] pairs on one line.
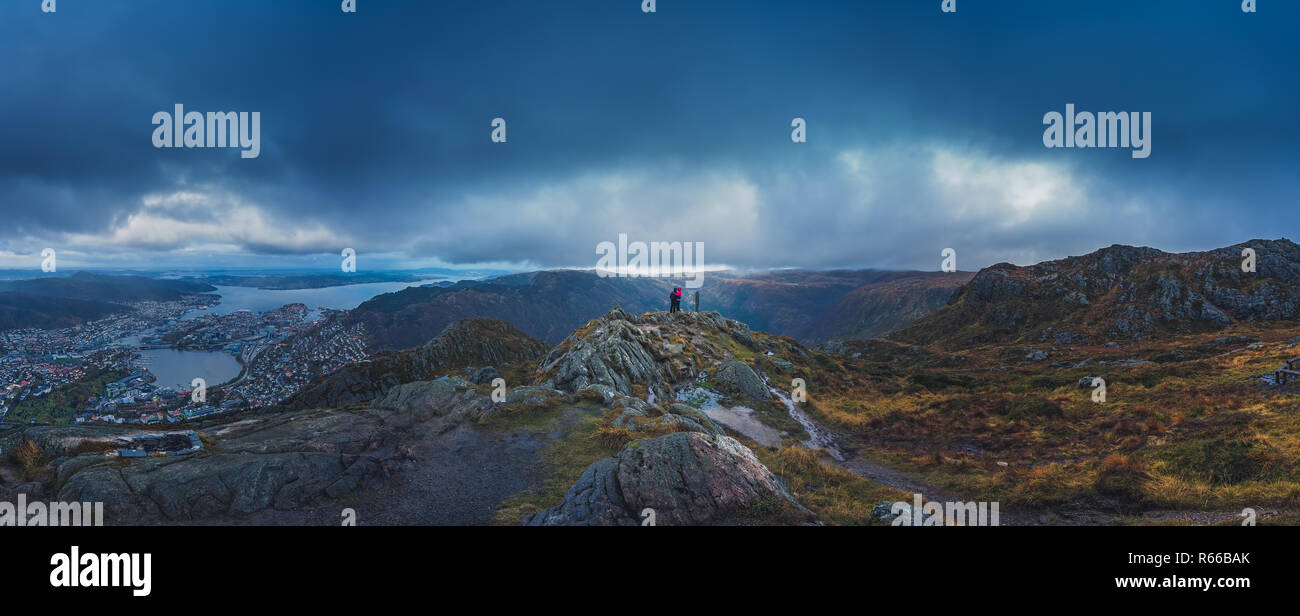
[[1117, 293]]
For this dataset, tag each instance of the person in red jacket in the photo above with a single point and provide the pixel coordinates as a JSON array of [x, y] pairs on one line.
[[675, 300]]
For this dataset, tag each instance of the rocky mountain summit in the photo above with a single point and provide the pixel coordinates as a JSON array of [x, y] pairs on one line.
[[646, 355], [1117, 293]]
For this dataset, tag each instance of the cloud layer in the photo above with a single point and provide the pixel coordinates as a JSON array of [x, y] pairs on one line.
[[924, 131]]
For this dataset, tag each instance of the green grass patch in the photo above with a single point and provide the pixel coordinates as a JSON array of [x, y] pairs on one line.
[[563, 462]]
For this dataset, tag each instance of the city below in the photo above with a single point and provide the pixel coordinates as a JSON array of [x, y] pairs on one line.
[[106, 370]]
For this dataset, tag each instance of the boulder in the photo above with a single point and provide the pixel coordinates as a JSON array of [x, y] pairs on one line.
[[687, 478], [740, 377], [485, 375]]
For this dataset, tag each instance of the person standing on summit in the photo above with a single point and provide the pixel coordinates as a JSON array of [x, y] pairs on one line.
[[675, 300]]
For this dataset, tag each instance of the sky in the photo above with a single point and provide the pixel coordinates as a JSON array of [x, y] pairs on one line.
[[924, 131]]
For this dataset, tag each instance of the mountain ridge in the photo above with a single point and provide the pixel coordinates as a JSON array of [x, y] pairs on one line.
[[549, 304], [1116, 293]]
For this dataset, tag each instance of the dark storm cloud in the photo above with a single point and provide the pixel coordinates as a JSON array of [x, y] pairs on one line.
[[924, 128]]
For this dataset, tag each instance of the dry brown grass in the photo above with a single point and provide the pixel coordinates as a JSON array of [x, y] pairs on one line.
[[837, 496], [32, 459], [954, 423]]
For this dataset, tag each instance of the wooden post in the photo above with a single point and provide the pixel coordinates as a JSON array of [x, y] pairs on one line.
[[697, 301]]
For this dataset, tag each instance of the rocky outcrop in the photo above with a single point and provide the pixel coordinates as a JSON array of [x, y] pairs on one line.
[[643, 418], [421, 438], [281, 462], [687, 478], [451, 397], [613, 354], [645, 355]]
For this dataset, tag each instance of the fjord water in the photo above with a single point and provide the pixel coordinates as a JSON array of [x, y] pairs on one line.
[[344, 297], [178, 369]]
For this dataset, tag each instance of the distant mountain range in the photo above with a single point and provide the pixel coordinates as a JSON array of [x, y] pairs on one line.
[[812, 306], [107, 288], [1117, 293], [68, 300]]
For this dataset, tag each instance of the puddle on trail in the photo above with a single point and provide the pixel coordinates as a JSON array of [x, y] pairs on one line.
[[742, 420], [739, 418]]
